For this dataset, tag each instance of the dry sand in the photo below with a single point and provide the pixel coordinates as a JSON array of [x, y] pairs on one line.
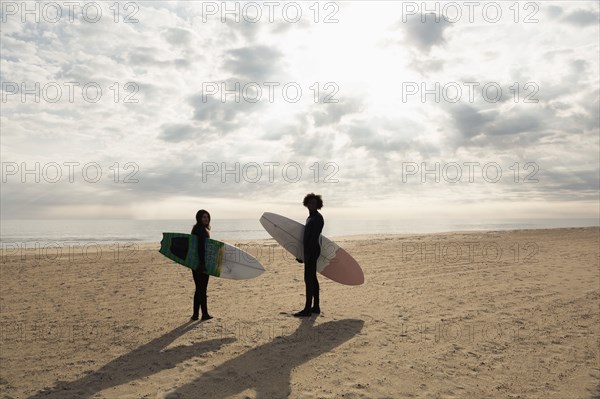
[[456, 315]]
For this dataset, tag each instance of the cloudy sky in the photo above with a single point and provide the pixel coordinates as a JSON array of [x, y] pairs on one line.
[[154, 109]]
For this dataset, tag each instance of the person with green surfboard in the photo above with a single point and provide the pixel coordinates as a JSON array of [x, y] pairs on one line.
[[312, 251], [202, 230]]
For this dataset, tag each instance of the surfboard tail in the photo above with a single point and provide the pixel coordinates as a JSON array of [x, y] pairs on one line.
[[344, 269]]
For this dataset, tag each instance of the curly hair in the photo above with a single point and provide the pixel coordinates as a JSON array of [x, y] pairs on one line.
[[315, 196]]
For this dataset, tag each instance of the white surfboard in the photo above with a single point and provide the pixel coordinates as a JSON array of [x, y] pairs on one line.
[[334, 263], [239, 265]]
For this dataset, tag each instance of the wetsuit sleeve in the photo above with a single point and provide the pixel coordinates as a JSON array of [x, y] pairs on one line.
[[201, 233]]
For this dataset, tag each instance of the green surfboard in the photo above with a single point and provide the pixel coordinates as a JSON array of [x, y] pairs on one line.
[[181, 248]]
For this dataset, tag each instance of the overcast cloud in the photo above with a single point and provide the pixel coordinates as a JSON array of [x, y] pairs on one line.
[[307, 106]]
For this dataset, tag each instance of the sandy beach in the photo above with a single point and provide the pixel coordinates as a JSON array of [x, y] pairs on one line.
[[500, 314]]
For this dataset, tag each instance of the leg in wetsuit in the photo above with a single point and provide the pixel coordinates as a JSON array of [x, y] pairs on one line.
[[312, 286], [201, 281]]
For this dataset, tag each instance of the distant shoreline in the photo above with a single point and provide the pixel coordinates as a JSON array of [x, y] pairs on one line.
[[147, 244]]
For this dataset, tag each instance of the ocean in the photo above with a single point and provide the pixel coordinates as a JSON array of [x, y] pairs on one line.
[[107, 231]]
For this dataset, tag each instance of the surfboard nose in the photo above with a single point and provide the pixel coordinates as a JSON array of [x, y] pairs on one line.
[[344, 269]]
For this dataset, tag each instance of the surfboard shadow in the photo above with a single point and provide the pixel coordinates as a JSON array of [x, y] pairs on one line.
[[143, 361], [267, 368]]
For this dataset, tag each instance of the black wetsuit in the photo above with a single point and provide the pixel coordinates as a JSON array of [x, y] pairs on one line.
[[200, 278], [312, 251]]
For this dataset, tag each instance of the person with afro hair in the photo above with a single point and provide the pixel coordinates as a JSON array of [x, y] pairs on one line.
[[312, 251]]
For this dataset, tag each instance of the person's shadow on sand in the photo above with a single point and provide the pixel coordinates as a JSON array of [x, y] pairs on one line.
[[143, 361], [267, 368]]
